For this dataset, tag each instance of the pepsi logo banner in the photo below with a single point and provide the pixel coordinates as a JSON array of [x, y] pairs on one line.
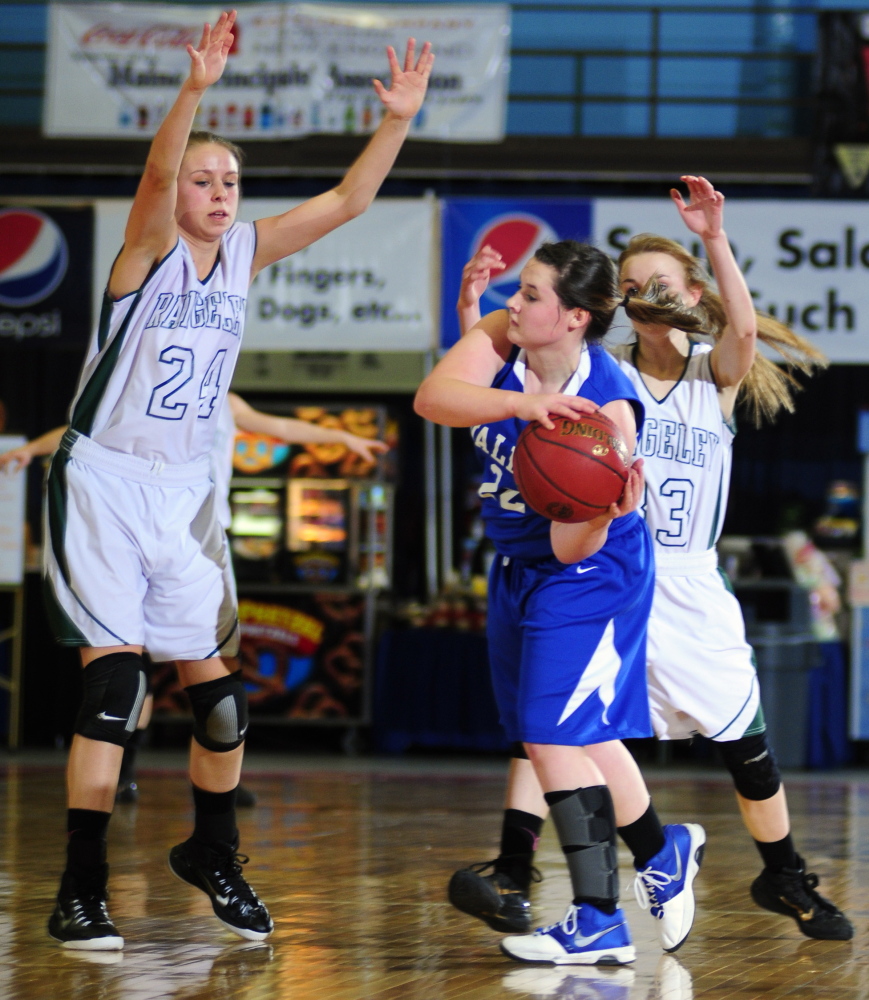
[[513, 228], [45, 275], [294, 68]]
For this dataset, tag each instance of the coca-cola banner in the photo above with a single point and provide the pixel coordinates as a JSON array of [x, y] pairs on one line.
[[294, 68]]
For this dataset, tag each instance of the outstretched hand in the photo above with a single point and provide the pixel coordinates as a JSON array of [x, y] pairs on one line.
[[408, 86], [476, 275], [705, 212], [207, 62], [16, 459]]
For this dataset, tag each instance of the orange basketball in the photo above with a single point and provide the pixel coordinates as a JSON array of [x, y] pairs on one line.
[[573, 472]]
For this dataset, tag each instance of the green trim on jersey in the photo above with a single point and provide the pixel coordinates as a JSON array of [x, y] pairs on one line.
[[758, 723], [713, 534], [91, 395], [63, 628], [105, 321], [56, 503]]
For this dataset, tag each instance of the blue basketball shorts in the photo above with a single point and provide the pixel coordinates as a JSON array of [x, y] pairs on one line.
[[567, 644]]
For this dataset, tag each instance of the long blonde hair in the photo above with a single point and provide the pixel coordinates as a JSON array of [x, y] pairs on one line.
[[768, 388]]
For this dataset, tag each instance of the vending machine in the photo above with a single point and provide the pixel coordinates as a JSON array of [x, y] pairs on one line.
[[311, 538]]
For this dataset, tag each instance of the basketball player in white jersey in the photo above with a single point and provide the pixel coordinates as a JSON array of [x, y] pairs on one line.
[[135, 557], [700, 669], [235, 415]]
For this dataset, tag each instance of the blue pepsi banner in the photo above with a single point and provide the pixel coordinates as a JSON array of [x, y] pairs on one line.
[[513, 227], [45, 275]]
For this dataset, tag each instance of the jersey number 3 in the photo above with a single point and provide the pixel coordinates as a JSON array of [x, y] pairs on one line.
[[166, 404]]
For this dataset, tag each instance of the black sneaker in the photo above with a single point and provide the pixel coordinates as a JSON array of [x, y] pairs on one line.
[[80, 919], [127, 793], [495, 899], [791, 892], [218, 873]]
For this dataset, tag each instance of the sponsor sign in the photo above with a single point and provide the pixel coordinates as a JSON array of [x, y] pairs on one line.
[[302, 659], [806, 262], [45, 275], [515, 228], [365, 287], [294, 68]]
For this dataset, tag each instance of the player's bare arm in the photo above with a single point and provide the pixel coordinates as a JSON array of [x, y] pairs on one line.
[[295, 431], [20, 458], [459, 393], [151, 228], [281, 235], [733, 355]]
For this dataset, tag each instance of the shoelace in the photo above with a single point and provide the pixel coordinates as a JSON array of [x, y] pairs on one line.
[[568, 923], [229, 870], [646, 885]]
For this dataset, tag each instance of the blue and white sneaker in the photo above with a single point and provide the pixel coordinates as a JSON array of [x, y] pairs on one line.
[[586, 936], [664, 886]]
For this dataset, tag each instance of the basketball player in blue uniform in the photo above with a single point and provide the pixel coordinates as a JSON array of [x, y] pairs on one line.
[[700, 668], [134, 556], [568, 603]]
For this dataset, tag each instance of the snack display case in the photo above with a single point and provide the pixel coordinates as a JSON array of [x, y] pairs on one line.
[[311, 538]]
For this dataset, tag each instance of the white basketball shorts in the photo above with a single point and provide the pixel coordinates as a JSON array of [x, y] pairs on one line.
[[700, 669], [134, 555]]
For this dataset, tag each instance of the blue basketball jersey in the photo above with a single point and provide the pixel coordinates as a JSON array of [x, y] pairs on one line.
[[515, 529]]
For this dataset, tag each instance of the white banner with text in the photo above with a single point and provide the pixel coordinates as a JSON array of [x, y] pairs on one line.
[[368, 286], [806, 262], [295, 69]]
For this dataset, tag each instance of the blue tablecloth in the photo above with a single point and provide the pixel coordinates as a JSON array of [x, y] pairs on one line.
[[432, 689], [828, 744]]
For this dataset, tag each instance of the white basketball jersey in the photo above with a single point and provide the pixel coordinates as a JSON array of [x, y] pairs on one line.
[[162, 358], [221, 463], [686, 445]]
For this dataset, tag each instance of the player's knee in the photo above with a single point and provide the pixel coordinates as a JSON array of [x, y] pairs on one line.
[[752, 763], [115, 686], [219, 712]]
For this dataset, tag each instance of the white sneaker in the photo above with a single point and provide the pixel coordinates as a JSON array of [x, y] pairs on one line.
[[586, 936], [665, 885]]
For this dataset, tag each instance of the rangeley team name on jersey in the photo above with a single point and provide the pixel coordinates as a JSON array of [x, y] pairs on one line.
[[217, 311], [677, 442]]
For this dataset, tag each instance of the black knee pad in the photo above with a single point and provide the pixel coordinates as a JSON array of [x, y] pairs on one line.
[[518, 751], [219, 712], [115, 686], [752, 763], [586, 828]]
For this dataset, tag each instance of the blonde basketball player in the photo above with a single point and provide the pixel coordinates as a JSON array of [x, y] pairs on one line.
[[135, 557]]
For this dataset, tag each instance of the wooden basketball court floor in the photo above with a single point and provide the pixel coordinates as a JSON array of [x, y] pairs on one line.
[[353, 856]]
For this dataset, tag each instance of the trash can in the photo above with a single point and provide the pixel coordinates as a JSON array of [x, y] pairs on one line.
[[778, 627]]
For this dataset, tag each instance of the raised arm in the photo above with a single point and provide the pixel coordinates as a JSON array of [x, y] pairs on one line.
[[733, 355], [19, 458], [475, 280], [295, 431], [151, 229], [459, 393], [282, 235]]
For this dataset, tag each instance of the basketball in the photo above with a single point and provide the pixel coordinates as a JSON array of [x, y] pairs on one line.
[[573, 472]]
